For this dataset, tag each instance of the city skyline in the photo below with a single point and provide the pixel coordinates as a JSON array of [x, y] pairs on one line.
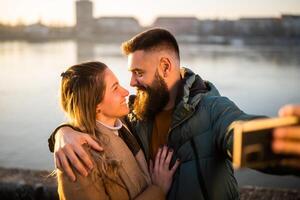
[[63, 11]]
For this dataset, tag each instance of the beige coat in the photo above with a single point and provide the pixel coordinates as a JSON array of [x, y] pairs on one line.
[[132, 180]]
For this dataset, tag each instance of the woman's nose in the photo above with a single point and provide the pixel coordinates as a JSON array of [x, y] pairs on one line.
[[125, 92]]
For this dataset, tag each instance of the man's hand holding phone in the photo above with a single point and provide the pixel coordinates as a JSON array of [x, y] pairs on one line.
[[273, 142], [286, 140]]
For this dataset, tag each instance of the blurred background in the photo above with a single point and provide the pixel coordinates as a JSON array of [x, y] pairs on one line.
[[249, 49]]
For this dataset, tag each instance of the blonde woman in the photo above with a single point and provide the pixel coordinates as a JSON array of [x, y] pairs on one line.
[[94, 102]]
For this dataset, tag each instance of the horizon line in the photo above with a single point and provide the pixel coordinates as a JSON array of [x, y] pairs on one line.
[[19, 21]]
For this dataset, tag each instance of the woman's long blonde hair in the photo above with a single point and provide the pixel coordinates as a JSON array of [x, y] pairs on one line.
[[82, 89]]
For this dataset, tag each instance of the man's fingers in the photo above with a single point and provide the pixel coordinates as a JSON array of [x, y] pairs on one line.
[[292, 133], [93, 143], [66, 166], [175, 166], [72, 157], [57, 162], [289, 110], [79, 150], [286, 147], [293, 163]]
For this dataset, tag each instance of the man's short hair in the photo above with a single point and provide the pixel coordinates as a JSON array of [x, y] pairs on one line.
[[153, 39]]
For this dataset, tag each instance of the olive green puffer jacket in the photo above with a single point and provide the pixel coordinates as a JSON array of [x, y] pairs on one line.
[[201, 140]]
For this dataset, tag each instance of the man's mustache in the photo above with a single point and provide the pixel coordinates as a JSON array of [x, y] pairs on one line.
[[141, 88]]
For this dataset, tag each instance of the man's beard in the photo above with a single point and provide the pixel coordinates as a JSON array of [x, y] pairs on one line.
[[150, 100]]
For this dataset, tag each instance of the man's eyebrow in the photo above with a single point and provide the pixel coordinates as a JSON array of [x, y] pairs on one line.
[[135, 70]]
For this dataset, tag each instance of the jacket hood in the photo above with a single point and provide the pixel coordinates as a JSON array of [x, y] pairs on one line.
[[191, 90]]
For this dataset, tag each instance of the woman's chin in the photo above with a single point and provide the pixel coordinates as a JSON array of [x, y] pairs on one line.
[[124, 111]]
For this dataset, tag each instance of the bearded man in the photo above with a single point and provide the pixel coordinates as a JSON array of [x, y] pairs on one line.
[[173, 107]]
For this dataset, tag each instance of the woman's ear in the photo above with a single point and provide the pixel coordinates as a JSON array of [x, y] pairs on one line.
[[98, 108]]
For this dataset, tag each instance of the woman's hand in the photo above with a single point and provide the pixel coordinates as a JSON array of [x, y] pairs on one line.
[[160, 172]]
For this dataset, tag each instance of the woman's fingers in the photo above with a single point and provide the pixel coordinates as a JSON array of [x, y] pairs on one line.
[[163, 155], [151, 167], [162, 161], [157, 160], [169, 157], [175, 166], [65, 165]]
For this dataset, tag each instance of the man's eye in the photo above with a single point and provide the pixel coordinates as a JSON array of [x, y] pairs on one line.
[[138, 73]]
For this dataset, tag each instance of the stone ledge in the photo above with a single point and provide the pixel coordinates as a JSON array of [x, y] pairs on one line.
[[17, 184], [261, 193]]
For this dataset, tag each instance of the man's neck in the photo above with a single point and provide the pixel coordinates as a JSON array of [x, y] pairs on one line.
[[173, 95]]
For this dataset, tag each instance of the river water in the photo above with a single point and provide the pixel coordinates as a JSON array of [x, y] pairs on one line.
[[259, 79]]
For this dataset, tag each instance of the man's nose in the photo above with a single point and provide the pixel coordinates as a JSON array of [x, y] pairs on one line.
[[133, 82]]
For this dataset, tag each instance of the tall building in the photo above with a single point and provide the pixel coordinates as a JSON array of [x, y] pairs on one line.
[[84, 18]]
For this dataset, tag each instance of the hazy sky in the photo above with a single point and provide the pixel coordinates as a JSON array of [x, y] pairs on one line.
[[63, 11]]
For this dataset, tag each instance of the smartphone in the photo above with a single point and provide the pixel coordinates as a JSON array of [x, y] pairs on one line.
[[252, 142]]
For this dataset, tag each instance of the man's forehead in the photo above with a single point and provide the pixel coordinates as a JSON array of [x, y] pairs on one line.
[[139, 60], [136, 60], [136, 56], [135, 67]]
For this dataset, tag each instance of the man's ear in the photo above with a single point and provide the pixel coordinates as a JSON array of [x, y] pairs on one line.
[[165, 66]]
